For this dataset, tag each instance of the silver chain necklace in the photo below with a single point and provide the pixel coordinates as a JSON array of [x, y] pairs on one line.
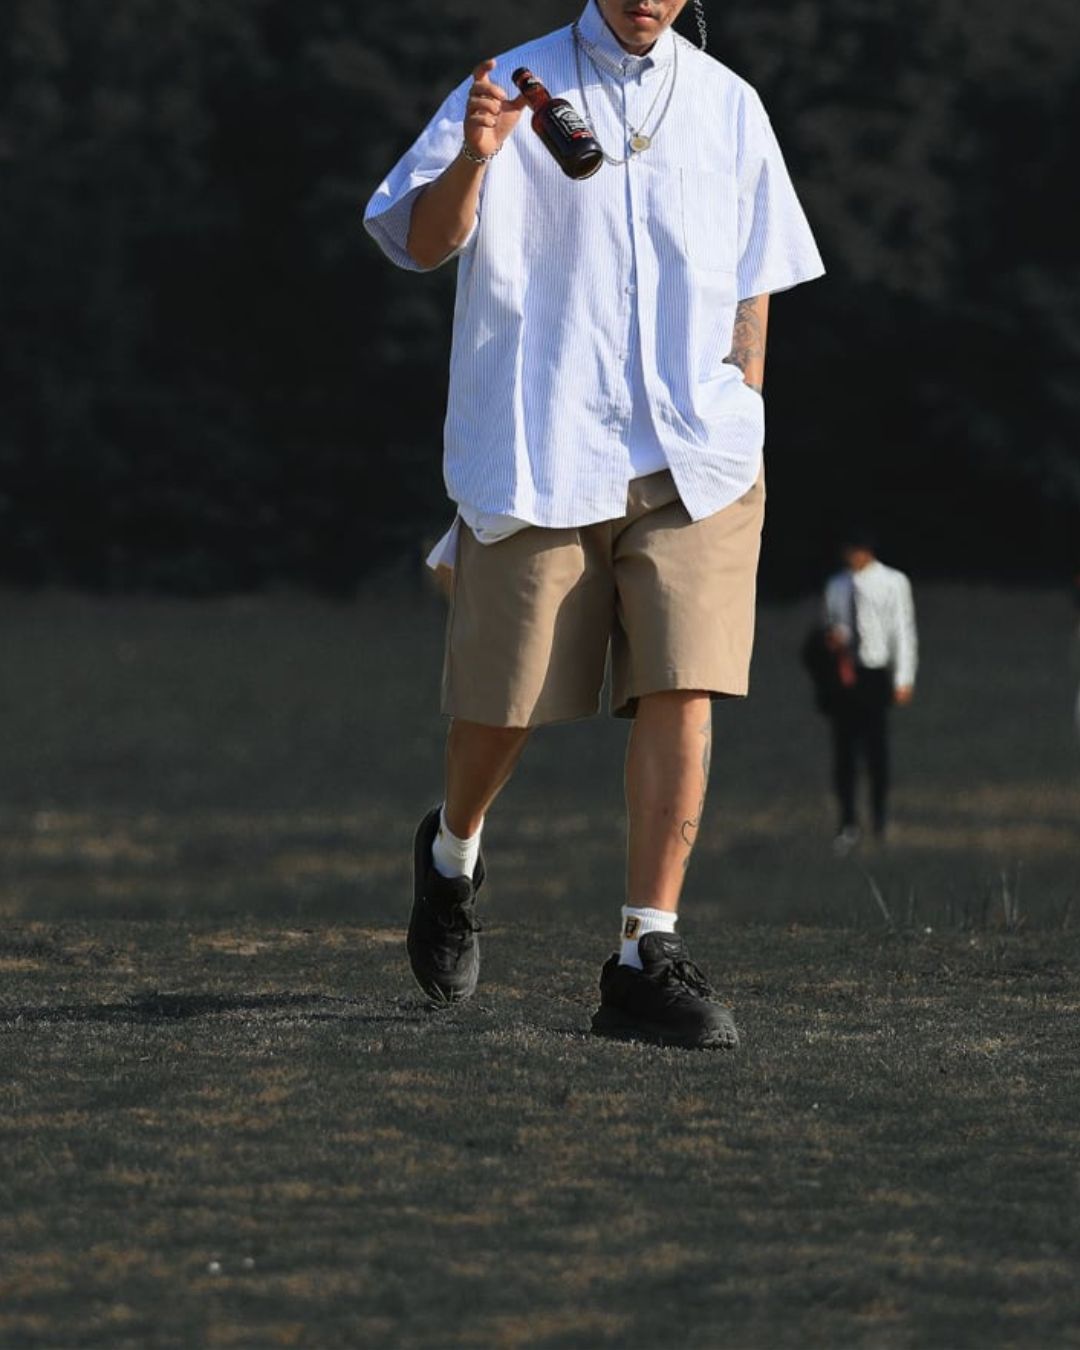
[[702, 26], [640, 140]]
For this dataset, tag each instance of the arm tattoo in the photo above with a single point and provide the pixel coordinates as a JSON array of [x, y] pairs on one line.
[[748, 342], [689, 828]]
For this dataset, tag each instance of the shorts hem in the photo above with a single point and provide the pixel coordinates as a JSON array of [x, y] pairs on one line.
[[674, 684], [516, 717]]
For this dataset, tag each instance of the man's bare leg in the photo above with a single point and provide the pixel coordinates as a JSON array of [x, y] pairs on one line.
[[479, 762], [667, 771], [651, 990]]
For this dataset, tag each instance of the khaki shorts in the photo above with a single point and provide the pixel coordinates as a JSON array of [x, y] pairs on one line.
[[533, 616]]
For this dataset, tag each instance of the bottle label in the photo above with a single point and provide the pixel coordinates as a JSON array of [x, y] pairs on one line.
[[569, 120]]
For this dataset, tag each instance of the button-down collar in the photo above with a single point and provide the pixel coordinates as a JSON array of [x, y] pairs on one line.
[[611, 57]]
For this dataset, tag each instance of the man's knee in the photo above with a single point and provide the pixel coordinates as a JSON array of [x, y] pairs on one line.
[[477, 741]]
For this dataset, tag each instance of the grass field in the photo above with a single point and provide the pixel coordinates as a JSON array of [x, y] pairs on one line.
[[229, 1121]]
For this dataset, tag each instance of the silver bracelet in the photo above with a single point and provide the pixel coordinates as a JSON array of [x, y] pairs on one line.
[[477, 159]]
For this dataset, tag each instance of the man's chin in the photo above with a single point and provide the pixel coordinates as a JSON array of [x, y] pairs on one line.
[[639, 38]]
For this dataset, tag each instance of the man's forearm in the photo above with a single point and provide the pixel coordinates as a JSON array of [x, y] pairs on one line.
[[444, 211], [748, 340]]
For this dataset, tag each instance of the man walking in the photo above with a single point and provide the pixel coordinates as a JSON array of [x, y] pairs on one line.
[[603, 445], [870, 627]]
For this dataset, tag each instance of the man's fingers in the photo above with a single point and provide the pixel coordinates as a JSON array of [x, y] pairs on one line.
[[487, 102], [492, 91], [482, 85], [485, 88]]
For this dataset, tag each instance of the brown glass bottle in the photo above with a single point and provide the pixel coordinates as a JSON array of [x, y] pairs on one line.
[[561, 128]]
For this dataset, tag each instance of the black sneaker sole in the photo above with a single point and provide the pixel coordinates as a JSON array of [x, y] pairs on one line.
[[437, 997], [616, 1026]]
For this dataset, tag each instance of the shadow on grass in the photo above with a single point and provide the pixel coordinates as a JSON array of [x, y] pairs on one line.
[[160, 1007], [154, 1007]]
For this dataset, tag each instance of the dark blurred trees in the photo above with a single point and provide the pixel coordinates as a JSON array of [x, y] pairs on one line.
[[209, 378], [931, 144]]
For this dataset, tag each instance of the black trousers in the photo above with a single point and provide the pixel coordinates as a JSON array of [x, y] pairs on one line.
[[860, 727]]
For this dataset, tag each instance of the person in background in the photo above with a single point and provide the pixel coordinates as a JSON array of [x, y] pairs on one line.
[[870, 628]]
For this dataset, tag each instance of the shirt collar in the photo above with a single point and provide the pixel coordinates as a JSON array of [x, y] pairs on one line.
[[610, 56]]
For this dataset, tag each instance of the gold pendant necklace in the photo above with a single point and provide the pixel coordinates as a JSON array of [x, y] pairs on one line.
[[638, 141]]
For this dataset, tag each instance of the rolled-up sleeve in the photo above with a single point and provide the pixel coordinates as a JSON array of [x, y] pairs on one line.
[[776, 246], [388, 214]]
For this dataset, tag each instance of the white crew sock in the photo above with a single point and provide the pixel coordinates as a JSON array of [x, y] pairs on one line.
[[454, 857], [636, 923]]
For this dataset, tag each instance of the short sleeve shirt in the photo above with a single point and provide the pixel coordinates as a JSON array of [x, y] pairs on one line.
[[564, 287]]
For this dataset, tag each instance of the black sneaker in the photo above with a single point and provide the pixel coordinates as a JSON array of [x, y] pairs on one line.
[[443, 949], [668, 1002]]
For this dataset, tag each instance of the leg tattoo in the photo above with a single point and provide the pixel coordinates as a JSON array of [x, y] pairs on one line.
[[689, 828]]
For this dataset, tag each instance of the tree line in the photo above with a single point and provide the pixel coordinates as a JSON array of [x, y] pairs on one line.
[[210, 379]]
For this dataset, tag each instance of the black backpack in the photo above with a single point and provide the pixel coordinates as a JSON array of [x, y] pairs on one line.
[[821, 665]]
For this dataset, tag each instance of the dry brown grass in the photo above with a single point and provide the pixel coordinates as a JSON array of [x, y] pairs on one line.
[[228, 1121]]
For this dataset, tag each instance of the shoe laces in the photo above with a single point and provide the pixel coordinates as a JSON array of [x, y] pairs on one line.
[[459, 921], [683, 972]]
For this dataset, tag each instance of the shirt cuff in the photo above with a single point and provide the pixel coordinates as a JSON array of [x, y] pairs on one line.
[[389, 226], [772, 283]]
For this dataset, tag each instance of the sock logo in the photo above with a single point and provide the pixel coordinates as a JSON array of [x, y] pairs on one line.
[[630, 928]]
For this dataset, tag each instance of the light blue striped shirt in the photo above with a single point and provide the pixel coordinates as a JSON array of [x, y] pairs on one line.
[[571, 295]]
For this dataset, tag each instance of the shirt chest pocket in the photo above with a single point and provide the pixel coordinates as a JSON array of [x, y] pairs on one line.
[[709, 215]]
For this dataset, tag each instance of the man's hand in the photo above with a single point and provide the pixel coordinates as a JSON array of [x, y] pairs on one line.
[[902, 695], [837, 639], [445, 210], [490, 116]]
